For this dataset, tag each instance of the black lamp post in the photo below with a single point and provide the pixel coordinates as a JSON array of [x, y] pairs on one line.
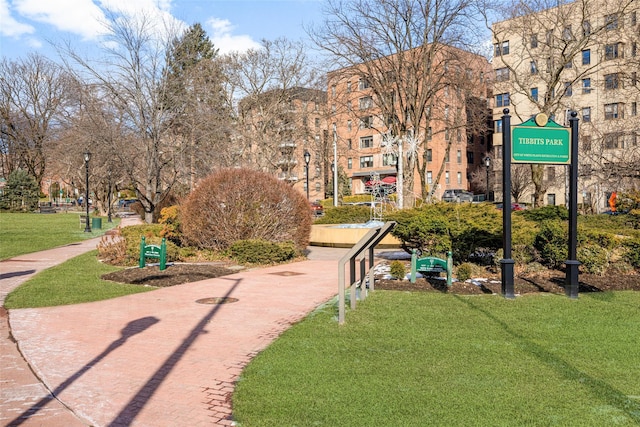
[[109, 197], [487, 163], [87, 157], [307, 159]]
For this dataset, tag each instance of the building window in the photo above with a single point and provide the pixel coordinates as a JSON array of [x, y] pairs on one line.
[[470, 157], [350, 144], [333, 91], [612, 141], [567, 34], [498, 126], [502, 100], [349, 106], [634, 78], [533, 67], [389, 159], [316, 122], [611, 22], [586, 114], [498, 152], [349, 86], [447, 179], [429, 155], [366, 141], [613, 51], [429, 177], [613, 111], [634, 49], [366, 122], [611, 81], [586, 57], [459, 156], [502, 48], [349, 125], [634, 108], [365, 102], [446, 156], [585, 143], [551, 199], [551, 173], [349, 163], [568, 90], [318, 187], [534, 94], [534, 41], [333, 108], [366, 162], [459, 177], [634, 18], [446, 134], [586, 28], [363, 84], [568, 64], [502, 74], [429, 133], [586, 85]]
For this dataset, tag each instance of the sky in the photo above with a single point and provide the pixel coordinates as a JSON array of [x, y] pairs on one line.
[[232, 25]]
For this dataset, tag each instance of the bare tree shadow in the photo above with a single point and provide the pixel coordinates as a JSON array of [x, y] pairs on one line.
[[132, 328], [16, 274]]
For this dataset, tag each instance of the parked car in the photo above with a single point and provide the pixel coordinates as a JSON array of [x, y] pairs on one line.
[[457, 195], [514, 206], [316, 209]]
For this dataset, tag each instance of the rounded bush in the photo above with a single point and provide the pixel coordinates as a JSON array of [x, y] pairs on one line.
[[397, 270], [261, 252], [464, 271], [243, 204]]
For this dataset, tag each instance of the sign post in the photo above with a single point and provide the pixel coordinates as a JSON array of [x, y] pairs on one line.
[[153, 251]]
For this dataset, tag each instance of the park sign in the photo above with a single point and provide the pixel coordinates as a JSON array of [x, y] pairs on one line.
[[540, 140]]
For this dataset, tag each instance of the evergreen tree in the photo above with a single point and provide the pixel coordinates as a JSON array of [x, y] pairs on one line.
[[21, 192]]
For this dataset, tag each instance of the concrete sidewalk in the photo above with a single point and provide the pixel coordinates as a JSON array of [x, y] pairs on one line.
[[163, 358]]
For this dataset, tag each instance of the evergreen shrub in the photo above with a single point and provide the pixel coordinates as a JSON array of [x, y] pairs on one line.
[[347, 214], [397, 270], [255, 251]]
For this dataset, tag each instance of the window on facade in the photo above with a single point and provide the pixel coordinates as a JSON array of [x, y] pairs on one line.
[[612, 140], [549, 37], [613, 111], [349, 163], [349, 86], [534, 94], [585, 143], [363, 84], [634, 78], [568, 64], [586, 114], [365, 102], [317, 186], [333, 91], [568, 89], [429, 133], [567, 34], [502, 100], [350, 144], [446, 134], [349, 125], [429, 155], [634, 108], [366, 162], [586, 85], [502, 48], [634, 49], [498, 126], [611, 81], [459, 136], [366, 141], [634, 18], [366, 122], [586, 28], [551, 173], [534, 41], [498, 152], [447, 179], [389, 159], [429, 177], [333, 108], [586, 57], [470, 157], [549, 65], [533, 67], [459, 177], [459, 156], [349, 106], [551, 199], [502, 74], [316, 122], [613, 51], [611, 22], [446, 112]]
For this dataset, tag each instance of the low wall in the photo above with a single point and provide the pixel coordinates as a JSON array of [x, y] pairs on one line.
[[329, 235]]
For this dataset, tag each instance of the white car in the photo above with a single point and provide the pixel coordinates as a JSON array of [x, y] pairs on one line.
[[457, 195]]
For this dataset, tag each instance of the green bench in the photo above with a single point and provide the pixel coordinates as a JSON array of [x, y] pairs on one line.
[[431, 265]]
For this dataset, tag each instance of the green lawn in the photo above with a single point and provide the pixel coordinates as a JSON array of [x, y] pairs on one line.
[[417, 359], [72, 282], [22, 233]]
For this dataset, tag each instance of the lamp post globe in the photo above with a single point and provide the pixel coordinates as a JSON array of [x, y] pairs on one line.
[[487, 163], [307, 159], [87, 157]]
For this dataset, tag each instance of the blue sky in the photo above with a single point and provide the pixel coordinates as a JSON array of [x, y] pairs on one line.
[[28, 25]]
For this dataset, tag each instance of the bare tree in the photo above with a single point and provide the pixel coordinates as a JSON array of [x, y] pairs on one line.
[[132, 78], [405, 52], [553, 59], [33, 93]]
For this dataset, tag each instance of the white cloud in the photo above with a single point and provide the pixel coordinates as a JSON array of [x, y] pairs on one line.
[[225, 41], [80, 17], [10, 27]]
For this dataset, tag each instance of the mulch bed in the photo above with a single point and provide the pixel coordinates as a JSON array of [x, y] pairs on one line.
[[174, 274]]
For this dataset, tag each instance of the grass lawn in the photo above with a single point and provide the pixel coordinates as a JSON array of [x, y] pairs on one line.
[[72, 282], [22, 233], [417, 359]]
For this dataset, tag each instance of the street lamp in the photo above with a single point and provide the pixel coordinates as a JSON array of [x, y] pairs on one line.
[[109, 196], [487, 163], [307, 158], [87, 157]]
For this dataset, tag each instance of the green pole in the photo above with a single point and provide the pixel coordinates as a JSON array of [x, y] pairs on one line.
[[163, 254], [449, 267], [142, 245], [414, 258]]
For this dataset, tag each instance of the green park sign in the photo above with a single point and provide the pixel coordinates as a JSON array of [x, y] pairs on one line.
[[540, 140]]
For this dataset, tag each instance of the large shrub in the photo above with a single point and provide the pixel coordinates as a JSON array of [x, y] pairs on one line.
[[348, 214], [545, 213], [632, 252], [243, 204], [551, 243], [21, 192]]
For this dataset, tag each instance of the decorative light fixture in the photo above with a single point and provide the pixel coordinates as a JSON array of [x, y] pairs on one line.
[[307, 159], [87, 157], [487, 163]]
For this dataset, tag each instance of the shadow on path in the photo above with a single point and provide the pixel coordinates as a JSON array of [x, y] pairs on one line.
[[16, 274], [132, 328], [135, 405]]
